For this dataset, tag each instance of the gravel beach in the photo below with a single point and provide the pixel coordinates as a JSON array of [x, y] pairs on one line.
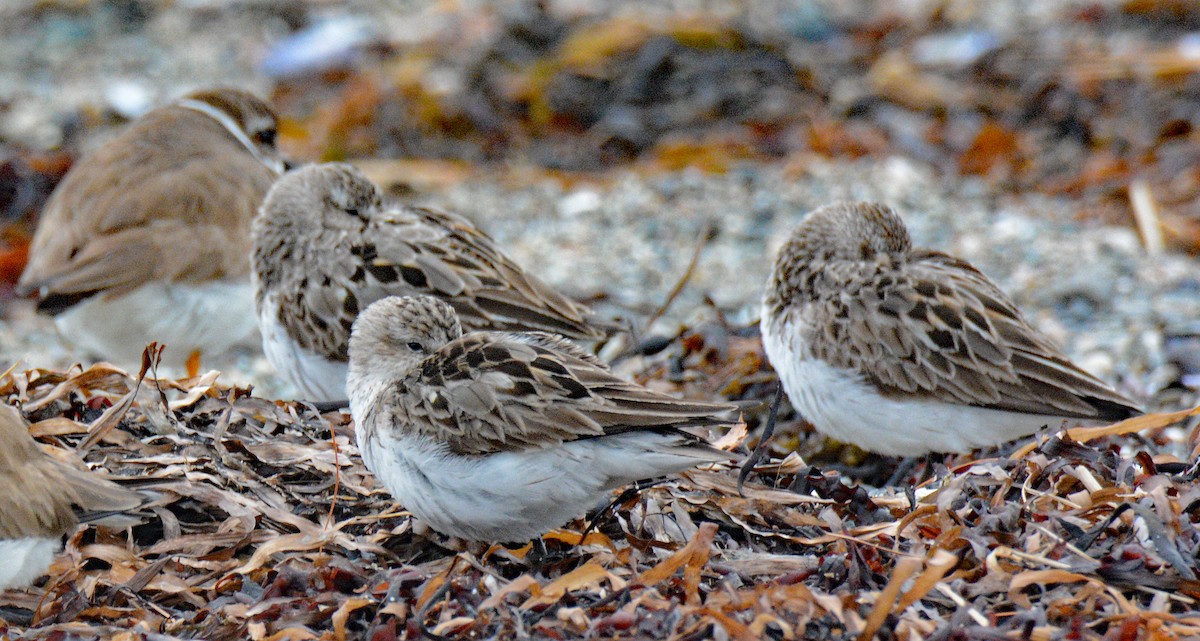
[[624, 234], [648, 158]]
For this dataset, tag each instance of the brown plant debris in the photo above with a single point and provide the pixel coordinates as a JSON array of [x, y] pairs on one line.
[[1045, 107], [269, 527]]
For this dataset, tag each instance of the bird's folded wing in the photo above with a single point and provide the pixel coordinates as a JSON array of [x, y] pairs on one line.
[[941, 330], [92, 493], [38, 492], [187, 223], [452, 259], [493, 391], [411, 251]]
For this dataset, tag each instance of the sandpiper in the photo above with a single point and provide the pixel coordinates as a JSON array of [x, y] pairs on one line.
[[905, 351], [328, 244], [37, 495], [502, 436]]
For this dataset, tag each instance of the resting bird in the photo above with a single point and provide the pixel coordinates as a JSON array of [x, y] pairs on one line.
[[499, 436], [905, 351], [327, 244], [37, 495], [148, 237]]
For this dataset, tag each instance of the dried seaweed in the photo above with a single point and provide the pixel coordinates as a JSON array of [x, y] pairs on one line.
[[1018, 108], [269, 527]]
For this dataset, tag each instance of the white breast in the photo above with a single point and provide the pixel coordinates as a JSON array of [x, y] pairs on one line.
[[515, 496], [845, 406], [318, 378], [210, 318], [502, 497], [23, 560]]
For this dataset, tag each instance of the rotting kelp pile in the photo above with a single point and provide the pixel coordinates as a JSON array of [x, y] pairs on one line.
[[267, 526]]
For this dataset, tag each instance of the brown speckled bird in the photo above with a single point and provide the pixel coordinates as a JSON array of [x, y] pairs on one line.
[[905, 351], [327, 245], [502, 436]]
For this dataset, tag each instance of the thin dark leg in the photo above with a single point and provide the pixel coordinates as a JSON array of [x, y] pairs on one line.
[[760, 450], [329, 406], [903, 469], [538, 558], [441, 592], [908, 463], [627, 494], [806, 480]]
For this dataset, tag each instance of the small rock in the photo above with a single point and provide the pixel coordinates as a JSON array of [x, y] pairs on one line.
[[578, 203], [330, 43], [1189, 46], [128, 99], [954, 49]]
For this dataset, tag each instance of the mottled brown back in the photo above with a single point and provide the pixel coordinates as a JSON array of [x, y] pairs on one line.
[[919, 323]]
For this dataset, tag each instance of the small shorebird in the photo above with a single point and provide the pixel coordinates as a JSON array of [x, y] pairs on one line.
[[905, 351], [327, 245], [37, 493], [498, 436], [148, 237]]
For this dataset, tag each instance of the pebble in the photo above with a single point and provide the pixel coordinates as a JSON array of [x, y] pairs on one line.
[[955, 49], [128, 98], [578, 203], [327, 44]]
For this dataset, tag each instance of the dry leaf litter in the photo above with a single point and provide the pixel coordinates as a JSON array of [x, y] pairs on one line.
[[267, 526], [1011, 150]]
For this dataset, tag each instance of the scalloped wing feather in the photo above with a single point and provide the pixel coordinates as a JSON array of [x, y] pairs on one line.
[[491, 391], [410, 251], [940, 329]]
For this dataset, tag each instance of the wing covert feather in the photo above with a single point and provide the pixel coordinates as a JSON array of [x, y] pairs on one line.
[[941, 330], [489, 391]]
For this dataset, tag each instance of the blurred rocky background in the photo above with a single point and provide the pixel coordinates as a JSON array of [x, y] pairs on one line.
[[1053, 144], [649, 156]]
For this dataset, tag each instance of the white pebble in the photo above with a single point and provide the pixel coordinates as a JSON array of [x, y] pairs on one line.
[[578, 203], [129, 99]]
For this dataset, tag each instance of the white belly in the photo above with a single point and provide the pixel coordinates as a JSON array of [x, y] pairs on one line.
[[843, 405], [23, 560], [515, 496], [210, 318], [318, 378]]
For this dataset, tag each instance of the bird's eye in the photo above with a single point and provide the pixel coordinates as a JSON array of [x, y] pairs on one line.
[[353, 211], [266, 136], [415, 346]]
